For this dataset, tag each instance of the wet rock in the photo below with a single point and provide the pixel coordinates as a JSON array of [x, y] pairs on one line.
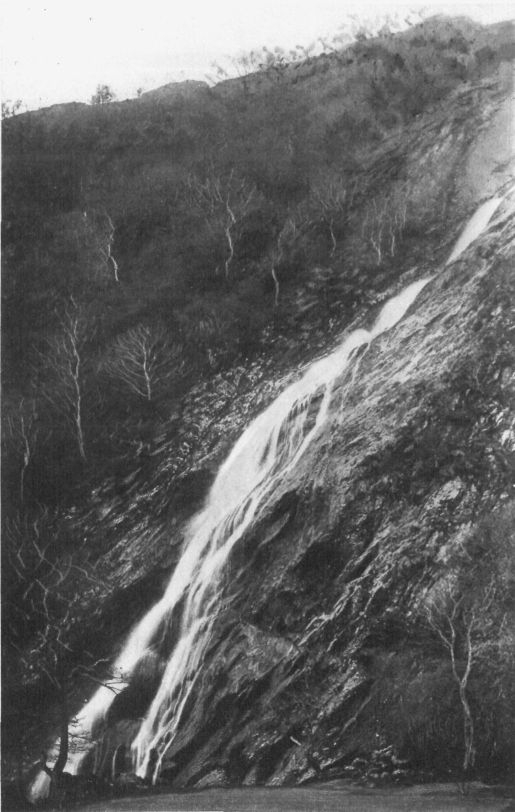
[[128, 783], [319, 629], [215, 778]]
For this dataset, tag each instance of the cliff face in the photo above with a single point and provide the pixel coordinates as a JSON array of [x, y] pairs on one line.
[[324, 647], [329, 629], [324, 643], [325, 627]]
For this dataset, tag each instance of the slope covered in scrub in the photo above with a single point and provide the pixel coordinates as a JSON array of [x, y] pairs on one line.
[[171, 265]]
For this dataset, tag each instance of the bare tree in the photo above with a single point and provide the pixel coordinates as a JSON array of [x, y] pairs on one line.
[[330, 200], [287, 234], [459, 622], [376, 221], [235, 67], [47, 599], [263, 63], [275, 62], [223, 202], [385, 221], [359, 28], [22, 430], [101, 230], [143, 358], [64, 358]]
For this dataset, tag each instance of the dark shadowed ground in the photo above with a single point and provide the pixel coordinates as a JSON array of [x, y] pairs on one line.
[[334, 796]]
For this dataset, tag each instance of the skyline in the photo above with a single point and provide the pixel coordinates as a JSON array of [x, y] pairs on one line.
[[58, 52]]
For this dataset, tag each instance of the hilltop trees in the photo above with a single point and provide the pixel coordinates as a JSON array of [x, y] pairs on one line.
[[261, 65], [10, 108], [178, 236], [103, 95], [262, 187]]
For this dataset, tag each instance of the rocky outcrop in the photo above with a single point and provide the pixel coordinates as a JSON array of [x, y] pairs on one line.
[[326, 604], [322, 612], [322, 604], [321, 652]]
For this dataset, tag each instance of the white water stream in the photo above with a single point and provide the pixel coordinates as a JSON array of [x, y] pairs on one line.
[[475, 226], [266, 451]]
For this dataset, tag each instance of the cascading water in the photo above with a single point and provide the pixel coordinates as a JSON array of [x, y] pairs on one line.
[[267, 450], [475, 226], [265, 453]]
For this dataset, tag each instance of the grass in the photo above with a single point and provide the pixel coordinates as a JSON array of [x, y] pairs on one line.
[[332, 796]]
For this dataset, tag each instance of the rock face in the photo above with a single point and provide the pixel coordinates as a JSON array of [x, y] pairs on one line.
[[388, 546], [325, 591], [321, 638], [321, 612]]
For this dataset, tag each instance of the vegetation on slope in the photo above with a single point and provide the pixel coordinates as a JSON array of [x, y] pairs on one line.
[[375, 615], [166, 260]]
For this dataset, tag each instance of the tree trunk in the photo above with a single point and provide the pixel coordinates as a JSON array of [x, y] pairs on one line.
[[333, 238], [62, 758], [468, 732], [276, 285], [20, 781]]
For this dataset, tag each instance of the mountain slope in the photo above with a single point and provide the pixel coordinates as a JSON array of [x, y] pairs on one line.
[[324, 641], [323, 646]]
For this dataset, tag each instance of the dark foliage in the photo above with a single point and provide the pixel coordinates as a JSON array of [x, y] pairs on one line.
[[153, 249]]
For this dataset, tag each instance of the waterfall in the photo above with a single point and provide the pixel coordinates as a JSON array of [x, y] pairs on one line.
[[267, 450], [475, 226]]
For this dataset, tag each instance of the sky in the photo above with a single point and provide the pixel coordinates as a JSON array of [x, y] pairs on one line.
[[60, 50]]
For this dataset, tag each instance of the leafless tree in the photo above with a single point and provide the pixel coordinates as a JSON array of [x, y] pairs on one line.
[[223, 202], [459, 622], [64, 358], [263, 63], [101, 230], [385, 221], [286, 237], [359, 28], [22, 430], [48, 598], [330, 200], [143, 358]]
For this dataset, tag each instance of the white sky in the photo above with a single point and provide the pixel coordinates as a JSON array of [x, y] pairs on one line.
[[60, 50]]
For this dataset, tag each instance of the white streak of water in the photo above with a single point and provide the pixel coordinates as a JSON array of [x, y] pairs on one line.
[[475, 226], [266, 451]]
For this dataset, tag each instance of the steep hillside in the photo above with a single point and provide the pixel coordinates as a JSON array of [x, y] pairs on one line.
[[324, 652], [171, 266]]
